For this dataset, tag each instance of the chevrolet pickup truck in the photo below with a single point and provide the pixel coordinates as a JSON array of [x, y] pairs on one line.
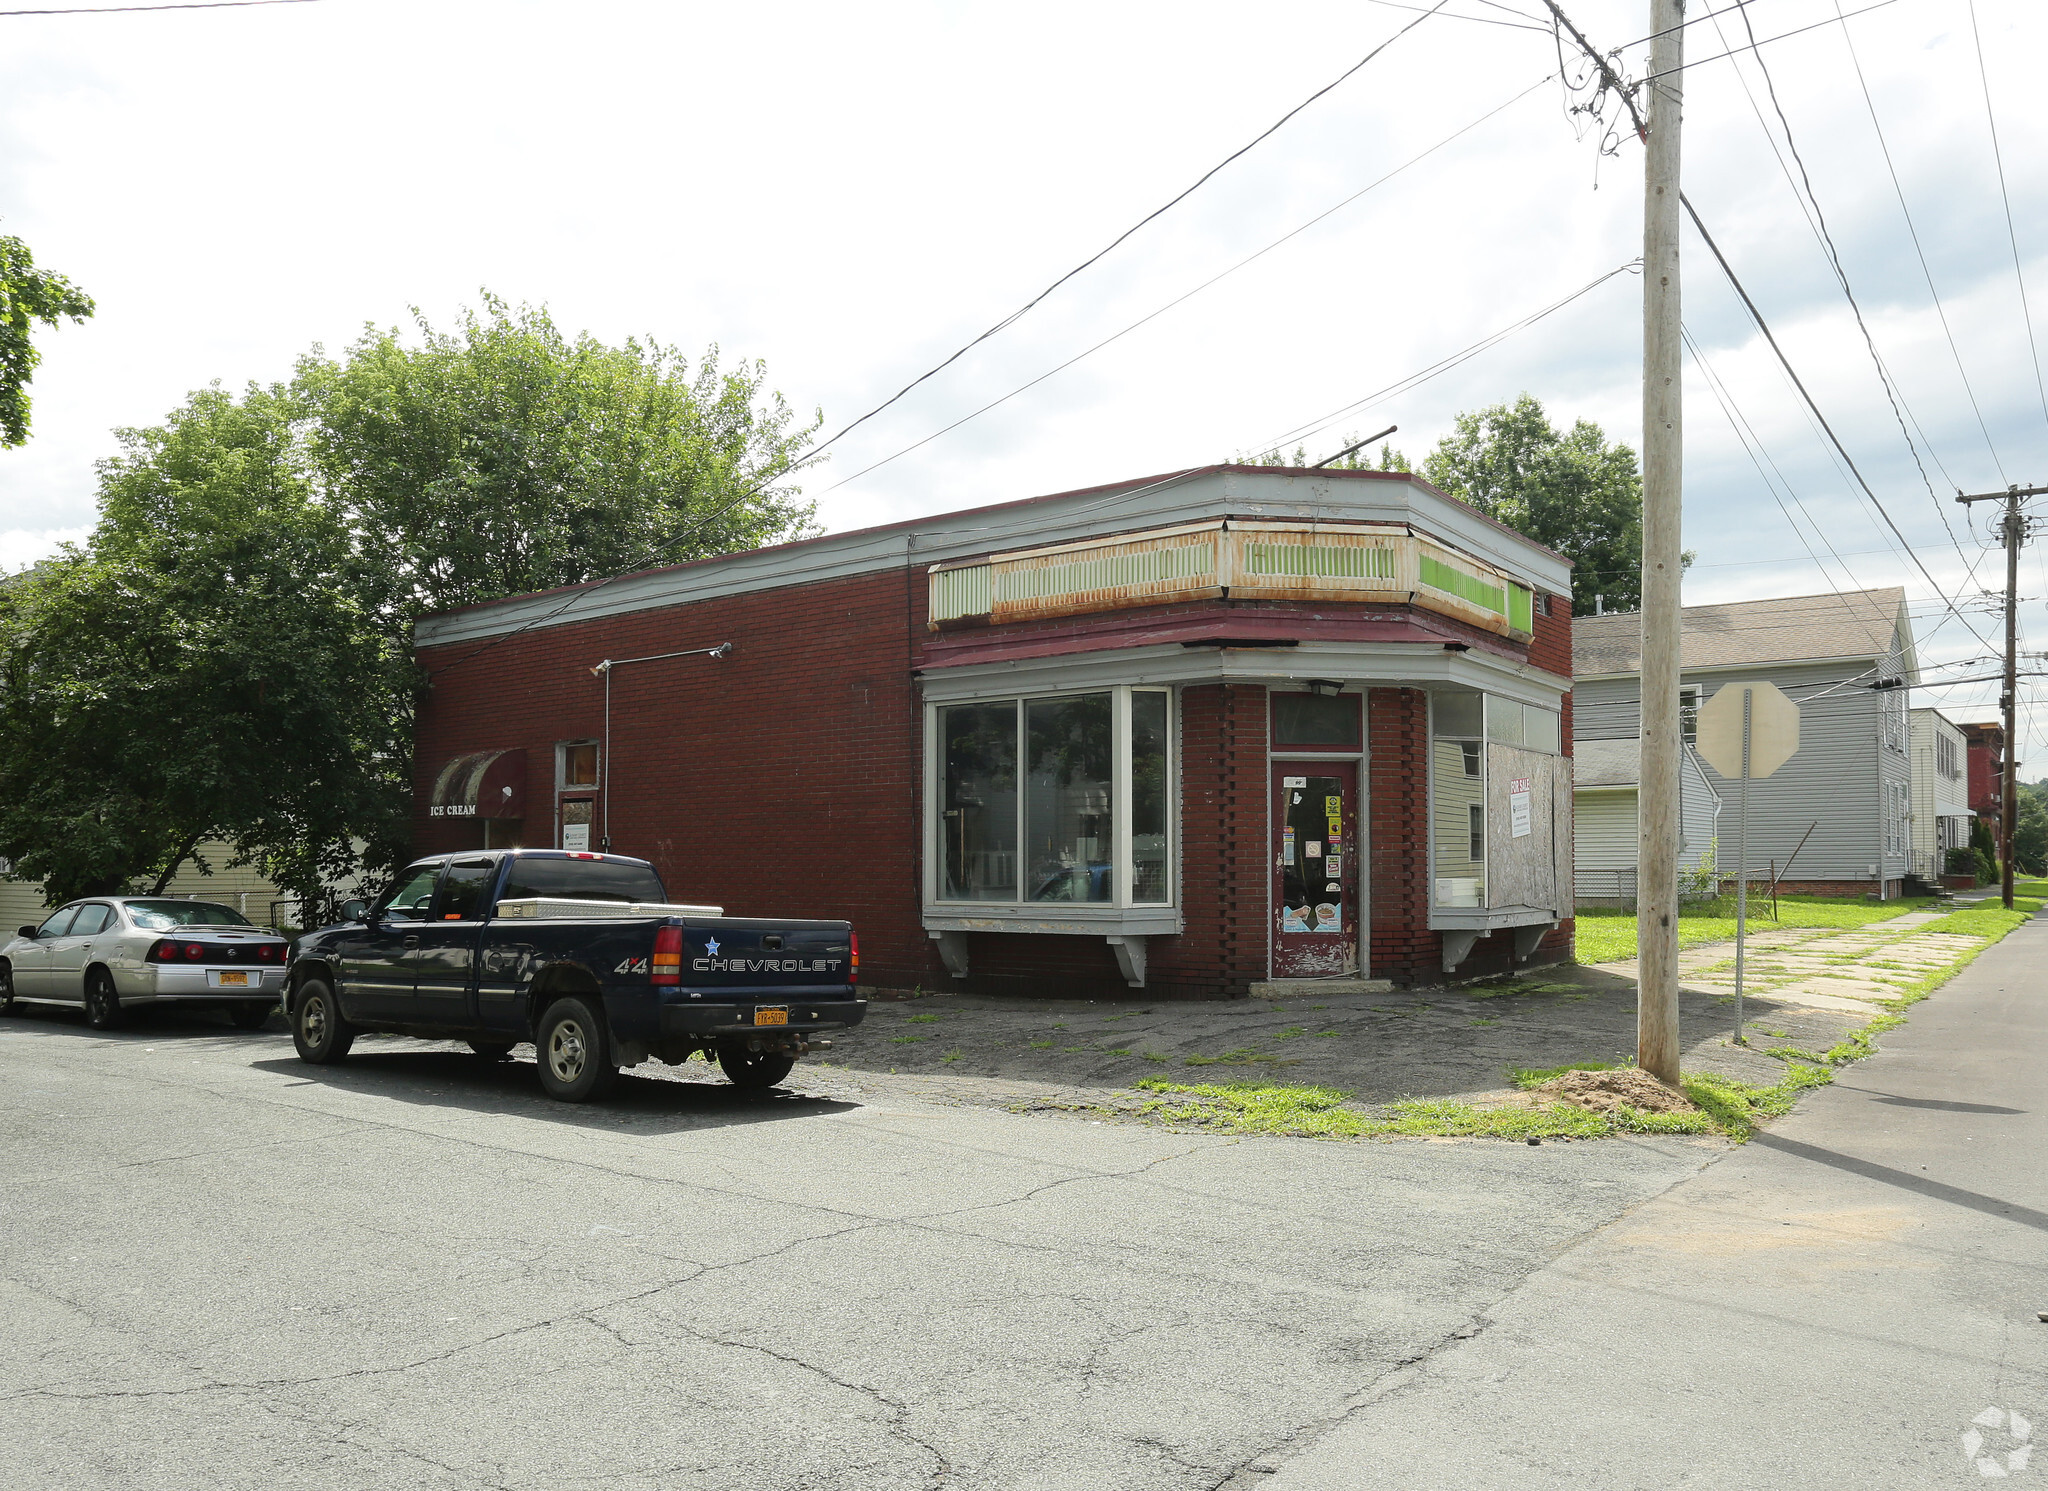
[[582, 955]]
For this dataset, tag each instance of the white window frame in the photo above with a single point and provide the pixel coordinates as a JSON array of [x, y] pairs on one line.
[[1120, 807]]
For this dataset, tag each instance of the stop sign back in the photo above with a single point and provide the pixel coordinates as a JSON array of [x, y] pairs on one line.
[[1773, 729]]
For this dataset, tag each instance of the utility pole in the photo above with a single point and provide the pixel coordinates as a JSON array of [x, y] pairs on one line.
[[1657, 844], [2014, 532]]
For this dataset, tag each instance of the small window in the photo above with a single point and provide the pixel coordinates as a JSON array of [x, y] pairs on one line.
[[92, 920], [578, 760], [1316, 720], [1689, 715], [1474, 755], [1457, 716], [1540, 730], [461, 898], [1475, 816], [583, 880]]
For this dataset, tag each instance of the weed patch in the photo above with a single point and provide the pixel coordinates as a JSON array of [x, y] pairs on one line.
[[1242, 1056], [924, 1019]]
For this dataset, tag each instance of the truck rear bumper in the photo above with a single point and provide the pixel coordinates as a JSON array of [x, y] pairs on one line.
[[700, 1019]]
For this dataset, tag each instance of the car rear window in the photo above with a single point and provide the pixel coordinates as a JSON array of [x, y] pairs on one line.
[[157, 916], [581, 880]]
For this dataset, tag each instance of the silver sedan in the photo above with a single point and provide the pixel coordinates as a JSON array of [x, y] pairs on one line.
[[110, 954]]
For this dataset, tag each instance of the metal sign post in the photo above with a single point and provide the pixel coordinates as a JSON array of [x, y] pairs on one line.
[[1746, 730]]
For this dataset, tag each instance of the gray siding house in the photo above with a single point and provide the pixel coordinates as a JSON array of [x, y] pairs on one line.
[[1851, 780], [1605, 777]]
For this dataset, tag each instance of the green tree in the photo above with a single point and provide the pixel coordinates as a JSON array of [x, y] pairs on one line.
[[28, 295], [205, 668], [506, 457], [1570, 490], [1390, 459], [230, 654], [2030, 829]]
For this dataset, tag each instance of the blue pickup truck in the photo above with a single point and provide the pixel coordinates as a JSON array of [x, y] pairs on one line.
[[580, 954]]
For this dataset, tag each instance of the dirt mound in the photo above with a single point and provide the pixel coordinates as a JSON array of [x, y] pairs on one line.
[[1603, 1092]]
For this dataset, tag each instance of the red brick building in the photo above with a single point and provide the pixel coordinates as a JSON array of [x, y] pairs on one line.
[[1189, 734]]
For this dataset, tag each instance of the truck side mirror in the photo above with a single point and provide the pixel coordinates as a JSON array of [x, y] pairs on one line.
[[352, 911]]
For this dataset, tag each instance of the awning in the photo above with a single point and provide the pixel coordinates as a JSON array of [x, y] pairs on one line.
[[483, 784]]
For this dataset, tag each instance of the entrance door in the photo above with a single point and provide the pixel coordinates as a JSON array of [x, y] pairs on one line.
[[1316, 872]]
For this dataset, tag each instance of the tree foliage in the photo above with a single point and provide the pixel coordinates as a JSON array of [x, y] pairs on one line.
[[28, 296], [229, 656], [1567, 489]]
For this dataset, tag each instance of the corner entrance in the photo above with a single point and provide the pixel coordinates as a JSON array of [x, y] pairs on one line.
[[1316, 871]]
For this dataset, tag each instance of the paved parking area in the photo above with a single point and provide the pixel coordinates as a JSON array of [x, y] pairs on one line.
[[226, 1269]]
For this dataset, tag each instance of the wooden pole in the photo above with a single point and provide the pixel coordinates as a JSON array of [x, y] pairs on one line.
[[1657, 856], [2009, 799]]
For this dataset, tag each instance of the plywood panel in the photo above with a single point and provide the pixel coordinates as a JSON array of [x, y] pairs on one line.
[[1521, 871]]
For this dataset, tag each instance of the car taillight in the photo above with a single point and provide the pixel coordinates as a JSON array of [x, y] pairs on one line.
[[195, 951], [268, 952], [667, 967], [853, 971], [162, 951]]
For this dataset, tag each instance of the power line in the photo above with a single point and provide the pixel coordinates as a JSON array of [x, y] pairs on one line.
[[1021, 311], [1435, 369], [2012, 236], [1913, 232], [1753, 46], [107, 10], [1834, 257], [1198, 289]]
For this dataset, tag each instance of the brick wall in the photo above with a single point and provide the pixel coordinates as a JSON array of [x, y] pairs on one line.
[[780, 781]]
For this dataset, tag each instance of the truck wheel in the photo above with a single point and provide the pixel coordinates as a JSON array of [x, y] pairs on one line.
[[744, 1068], [575, 1052], [250, 1016], [493, 1050], [102, 1001], [318, 1030]]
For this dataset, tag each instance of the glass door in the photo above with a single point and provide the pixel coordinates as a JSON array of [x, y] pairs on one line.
[[1316, 871]]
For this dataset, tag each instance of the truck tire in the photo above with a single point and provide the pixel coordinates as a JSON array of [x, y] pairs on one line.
[[574, 1051], [318, 1030], [744, 1068]]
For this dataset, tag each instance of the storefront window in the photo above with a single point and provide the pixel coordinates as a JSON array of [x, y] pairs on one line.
[[980, 812], [1056, 800], [1457, 750], [1148, 797], [1316, 721]]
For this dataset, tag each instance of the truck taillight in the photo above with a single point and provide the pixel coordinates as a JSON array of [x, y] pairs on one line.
[[667, 967], [853, 968]]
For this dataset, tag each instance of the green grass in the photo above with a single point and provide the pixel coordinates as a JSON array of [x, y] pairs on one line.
[[1042, 1045], [1291, 1032], [952, 1056], [1257, 1108], [1608, 934], [1319, 1113], [1989, 920], [1526, 1077], [1157, 1056], [905, 1040], [923, 1019]]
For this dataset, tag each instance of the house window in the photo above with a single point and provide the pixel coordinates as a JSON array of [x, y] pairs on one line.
[[1062, 799], [1316, 722], [1689, 715], [1476, 832]]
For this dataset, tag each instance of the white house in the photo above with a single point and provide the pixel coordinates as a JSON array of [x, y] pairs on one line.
[[1941, 790]]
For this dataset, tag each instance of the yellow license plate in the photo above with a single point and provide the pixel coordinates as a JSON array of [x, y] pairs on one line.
[[234, 980], [771, 1017]]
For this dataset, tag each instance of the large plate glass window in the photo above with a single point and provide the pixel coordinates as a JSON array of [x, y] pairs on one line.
[[1060, 799], [1457, 761]]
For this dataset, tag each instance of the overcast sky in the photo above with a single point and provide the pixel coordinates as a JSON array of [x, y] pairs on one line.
[[850, 193]]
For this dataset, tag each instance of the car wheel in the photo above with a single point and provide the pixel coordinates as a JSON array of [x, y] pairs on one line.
[[575, 1052], [250, 1016], [744, 1068], [102, 1001], [493, 1050], [318, 1030], [6, 988]]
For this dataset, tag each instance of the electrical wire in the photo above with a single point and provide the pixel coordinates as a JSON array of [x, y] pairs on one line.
[[1018, 314], [1998, 155], [1782, 36], [1436, 369], [1913, 232], [1198, 289], [107, 10]]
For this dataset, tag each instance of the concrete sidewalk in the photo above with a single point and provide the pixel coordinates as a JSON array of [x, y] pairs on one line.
[[1851, 1300]]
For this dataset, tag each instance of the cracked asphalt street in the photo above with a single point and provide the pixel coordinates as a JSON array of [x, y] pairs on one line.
[[226, 1269]]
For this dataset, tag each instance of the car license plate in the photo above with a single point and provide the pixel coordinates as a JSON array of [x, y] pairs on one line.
[[771, 1017], [234, 980]]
